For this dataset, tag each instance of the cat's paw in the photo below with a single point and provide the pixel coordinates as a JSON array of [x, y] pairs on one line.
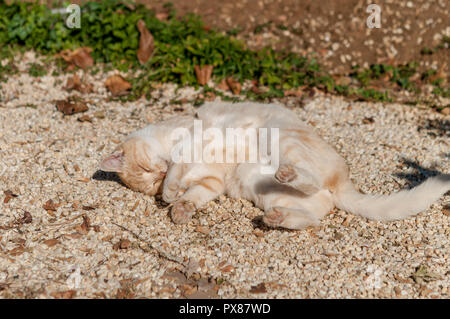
[[182, 211], [274, 217], [285, 174]]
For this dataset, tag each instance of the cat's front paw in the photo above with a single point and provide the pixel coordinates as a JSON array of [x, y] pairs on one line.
[[285, 174], [182, 211]]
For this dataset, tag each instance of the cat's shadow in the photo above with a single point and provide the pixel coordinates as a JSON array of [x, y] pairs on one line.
[[100, 175], [420, 173], [258, 223]]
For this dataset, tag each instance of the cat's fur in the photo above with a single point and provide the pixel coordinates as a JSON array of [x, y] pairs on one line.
[[311, 179]]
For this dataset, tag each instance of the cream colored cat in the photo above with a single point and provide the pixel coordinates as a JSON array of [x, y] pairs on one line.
[[311, 179]]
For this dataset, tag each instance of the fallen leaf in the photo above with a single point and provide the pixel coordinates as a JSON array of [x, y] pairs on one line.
[[80, 57], [50, 206], [16, 251], [234, 85], [51, 242], [258, 233], [368, 120], [446, 212], [27, 218], [85, 118], [71, 106], [88, 208], [135, 206], [108, 238], [203, 73], [259, 289], [8, 196], [223, 85], [297, 93], [68, 294], [146, 43], [122, 244], [74, 83], [86, 224], [117, 85], [228, 268], [202, 229]]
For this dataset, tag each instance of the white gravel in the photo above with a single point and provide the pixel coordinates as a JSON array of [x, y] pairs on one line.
[[45, 155]]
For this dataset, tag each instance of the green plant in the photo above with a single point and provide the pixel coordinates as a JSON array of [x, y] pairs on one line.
[[36, 70]]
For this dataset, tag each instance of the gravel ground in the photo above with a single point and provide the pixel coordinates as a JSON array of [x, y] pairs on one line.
[[99, 239]]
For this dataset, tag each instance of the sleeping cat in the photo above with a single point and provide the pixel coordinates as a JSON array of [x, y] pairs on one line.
[[311, 178]]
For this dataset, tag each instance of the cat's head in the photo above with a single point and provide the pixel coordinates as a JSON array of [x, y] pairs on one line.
[[137, 166]]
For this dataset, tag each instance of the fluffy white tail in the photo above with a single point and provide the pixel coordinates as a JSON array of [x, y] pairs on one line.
[[395, 206]]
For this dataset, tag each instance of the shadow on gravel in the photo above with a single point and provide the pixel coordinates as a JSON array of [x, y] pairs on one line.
[[435, 128], [106, 176], [420, 173]]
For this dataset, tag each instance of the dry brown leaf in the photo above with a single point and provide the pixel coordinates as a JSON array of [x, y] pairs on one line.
[[71, 106], [228, 268], [135, 206], [446, 212], [202, 229], [223, 85], [85, 118], [297, 93], [68, 294], [75, 83], [51, 242], [146, 43], [117, 85], [258, 233], [50, 205], [27, 218], [259, 289], [122, 244], [86, 224], [16, 251], [88, 208], [368, 120], [80, 57], [234, 85], [203, 73], [8, 196]]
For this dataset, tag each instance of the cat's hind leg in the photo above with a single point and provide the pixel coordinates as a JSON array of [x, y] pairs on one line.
[[289, 218], [297, 178]]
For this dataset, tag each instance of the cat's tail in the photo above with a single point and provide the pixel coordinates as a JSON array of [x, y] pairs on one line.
[[395, 206]]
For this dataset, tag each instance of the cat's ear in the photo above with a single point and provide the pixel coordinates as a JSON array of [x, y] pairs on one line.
[[113, 163]]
